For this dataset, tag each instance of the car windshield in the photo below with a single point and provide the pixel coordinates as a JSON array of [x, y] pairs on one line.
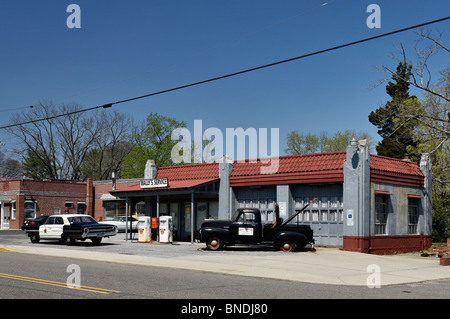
[[82, 219]]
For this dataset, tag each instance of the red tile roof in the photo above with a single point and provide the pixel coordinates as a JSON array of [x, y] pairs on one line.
[[395, 171], [319, 167], [393, 165], [308, 168]]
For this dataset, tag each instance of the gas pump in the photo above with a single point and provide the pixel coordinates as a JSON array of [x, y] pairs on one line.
[[165, 229], [144, 230]]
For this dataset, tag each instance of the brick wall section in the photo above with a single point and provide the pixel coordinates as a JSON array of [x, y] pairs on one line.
[[48, 195]]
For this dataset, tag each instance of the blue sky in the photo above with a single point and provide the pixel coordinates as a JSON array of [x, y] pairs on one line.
[[130, 48]]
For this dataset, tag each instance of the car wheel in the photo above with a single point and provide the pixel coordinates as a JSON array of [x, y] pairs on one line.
[[69, 240], [96, 241], [287, 246], [214, 243], [35, 238]]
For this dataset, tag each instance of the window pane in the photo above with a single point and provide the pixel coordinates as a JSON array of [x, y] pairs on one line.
[[30, 210]]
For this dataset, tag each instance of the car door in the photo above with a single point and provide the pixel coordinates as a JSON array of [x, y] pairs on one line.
[[52, 228]]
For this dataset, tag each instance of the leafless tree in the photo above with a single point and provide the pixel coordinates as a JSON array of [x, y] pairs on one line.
[[57, 147]]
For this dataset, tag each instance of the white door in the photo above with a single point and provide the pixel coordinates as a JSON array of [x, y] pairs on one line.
[[6, 216]]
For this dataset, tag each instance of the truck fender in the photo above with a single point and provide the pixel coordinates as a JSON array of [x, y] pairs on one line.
[[293, 241], [223, 234]]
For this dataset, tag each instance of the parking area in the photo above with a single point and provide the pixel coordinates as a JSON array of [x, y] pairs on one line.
[[325, 265]]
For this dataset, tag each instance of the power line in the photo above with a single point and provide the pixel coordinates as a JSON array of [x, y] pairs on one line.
[[235, 73]]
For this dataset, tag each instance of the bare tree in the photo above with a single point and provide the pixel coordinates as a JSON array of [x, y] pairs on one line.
[[424, 48], [56, 147]]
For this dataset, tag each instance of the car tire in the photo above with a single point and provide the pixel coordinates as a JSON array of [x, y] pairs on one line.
[[35, 238], [68, 240], [96, 241], [214, 243]]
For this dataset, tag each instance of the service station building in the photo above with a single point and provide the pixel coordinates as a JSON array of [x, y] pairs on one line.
[[366, 203]]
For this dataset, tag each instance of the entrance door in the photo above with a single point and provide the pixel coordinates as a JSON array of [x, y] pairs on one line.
[[173, 211], [187, 221], [6, 216]]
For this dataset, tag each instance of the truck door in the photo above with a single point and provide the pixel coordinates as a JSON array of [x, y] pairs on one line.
[[246, 228]]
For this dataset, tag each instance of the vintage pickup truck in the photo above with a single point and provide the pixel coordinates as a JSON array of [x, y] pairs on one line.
[[246, 228], [70, 227]]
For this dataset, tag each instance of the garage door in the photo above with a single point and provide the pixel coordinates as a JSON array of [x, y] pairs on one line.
[[325, 217]]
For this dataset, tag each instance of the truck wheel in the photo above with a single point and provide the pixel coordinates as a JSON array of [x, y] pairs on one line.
[[35, 238], [214, 243], [69, 240], [287, 246]]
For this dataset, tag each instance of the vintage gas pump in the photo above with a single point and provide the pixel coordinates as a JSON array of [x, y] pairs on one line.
[[145, 234], [165, 229]]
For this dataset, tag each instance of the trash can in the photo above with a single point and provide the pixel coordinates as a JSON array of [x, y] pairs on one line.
[[144, 230], [165, 229]]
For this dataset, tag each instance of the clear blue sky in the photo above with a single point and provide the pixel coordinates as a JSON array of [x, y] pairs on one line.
[[130, 48]]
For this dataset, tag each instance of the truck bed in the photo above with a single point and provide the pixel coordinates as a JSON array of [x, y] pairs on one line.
[[269, 232]]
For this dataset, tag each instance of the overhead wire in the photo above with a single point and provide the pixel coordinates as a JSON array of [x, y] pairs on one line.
[[108, 105]]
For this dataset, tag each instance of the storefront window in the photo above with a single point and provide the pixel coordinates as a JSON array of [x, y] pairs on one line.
[[213, 210], [114, 209]]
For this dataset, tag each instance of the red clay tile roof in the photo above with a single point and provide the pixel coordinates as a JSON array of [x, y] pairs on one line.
[[308, 168], [186, 172], [395, 171], [392, 165]]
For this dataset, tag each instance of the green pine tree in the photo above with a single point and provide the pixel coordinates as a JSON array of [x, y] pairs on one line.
[[396, 138]]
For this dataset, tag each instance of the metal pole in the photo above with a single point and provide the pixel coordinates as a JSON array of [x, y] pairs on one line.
[[126, 218], [131, 233], [192, 217], [157, 214]]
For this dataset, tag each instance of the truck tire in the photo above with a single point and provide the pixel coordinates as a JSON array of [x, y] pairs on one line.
[[214, 243], [35, 238], [288, 245]]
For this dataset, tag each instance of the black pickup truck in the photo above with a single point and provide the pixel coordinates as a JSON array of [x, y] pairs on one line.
[[246, 228]]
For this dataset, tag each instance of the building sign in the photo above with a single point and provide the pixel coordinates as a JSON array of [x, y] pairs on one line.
[[349, 217], [152, 183]]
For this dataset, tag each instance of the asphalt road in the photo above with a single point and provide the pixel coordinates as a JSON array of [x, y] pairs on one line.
[[31, 277], [28, 276]]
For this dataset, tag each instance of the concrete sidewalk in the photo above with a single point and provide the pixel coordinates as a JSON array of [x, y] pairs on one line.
[[324, 266]]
